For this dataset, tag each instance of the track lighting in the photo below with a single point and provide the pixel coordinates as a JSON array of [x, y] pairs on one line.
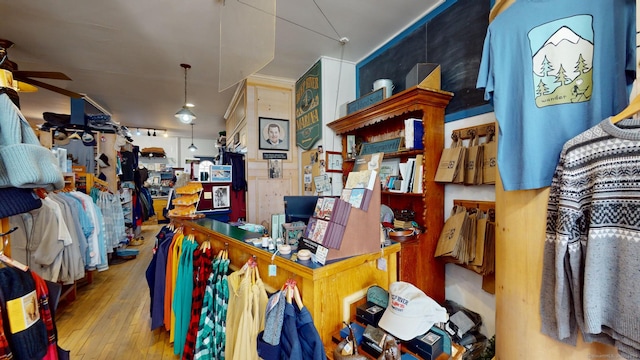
[[165, 134], [138, 132], [148, 132], [154, 132]]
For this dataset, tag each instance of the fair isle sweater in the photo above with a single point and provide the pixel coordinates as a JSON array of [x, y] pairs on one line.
[[591, 270]]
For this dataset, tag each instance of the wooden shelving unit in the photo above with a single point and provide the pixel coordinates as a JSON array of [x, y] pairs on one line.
[[385, 119]]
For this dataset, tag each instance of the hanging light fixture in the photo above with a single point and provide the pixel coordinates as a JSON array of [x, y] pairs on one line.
[[154, 132], [148, 132], [184, 114], [192, 147]]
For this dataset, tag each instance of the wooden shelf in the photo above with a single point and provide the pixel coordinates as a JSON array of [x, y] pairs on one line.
[[385, 120]]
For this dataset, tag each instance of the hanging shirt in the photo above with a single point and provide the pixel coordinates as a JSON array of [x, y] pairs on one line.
[[553, 70]]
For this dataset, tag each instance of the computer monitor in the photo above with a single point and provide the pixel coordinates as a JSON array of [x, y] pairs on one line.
[[299, 208]]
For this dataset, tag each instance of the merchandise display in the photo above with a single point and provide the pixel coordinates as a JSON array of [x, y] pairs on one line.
[[554, 65], [592, 234]]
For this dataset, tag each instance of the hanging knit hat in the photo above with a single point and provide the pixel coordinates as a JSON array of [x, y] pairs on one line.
[[24, 163], [26, 333], [17, 201]]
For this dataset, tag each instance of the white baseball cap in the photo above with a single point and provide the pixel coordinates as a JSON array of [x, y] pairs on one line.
[[410, 312]]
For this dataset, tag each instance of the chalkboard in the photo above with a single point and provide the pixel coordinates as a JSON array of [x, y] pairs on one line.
[[453, 38]]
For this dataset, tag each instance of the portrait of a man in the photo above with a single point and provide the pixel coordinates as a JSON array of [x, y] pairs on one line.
[[274, 134]]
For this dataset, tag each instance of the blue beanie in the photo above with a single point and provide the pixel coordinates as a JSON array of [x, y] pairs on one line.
[[24, 163], [17, 201]]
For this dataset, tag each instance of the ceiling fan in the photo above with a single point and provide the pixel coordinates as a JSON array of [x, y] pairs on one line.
[[25, 81]]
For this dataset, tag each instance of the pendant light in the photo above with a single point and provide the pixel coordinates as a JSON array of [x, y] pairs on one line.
[[192, 147], [184, 114]]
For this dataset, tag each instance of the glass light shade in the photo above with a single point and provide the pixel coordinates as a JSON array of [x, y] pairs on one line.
[[185, 115], [193, 147]]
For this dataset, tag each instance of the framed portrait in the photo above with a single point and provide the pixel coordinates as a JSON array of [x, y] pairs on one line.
[[334, 161], [220, 173], [221, 196], [273, 134]]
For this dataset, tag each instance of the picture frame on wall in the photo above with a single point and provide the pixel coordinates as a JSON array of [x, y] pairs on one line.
[[221, 196], [273, 134], [334, 161], [220, 173]]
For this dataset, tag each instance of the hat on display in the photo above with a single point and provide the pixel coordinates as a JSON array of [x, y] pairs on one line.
[[120, 142], [88, 139], [17, 201], [102, 176], [410, 312], [103, 160], [60, 136]]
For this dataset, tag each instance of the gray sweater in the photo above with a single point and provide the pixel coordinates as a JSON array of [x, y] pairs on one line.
[[591, 270]]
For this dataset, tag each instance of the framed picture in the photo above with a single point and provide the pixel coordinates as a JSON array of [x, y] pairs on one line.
[[220, 173], [334, 161], [221, 196], [273, 134], [275, 169]]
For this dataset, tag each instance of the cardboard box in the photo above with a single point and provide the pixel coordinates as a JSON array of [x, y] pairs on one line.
[[369, 313], [427, 346]]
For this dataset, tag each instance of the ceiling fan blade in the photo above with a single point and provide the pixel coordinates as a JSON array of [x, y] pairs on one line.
[[53, 88], [24, 87], [41, 74]]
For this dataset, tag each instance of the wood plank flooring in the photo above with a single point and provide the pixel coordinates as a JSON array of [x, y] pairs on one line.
[[110, 317]]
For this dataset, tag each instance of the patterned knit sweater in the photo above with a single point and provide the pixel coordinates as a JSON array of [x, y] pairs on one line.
[[591, 271]]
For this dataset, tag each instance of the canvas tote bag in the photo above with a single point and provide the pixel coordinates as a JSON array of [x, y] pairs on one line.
[[451, 160], [490, 163]]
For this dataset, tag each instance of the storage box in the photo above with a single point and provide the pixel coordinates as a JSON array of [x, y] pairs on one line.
[[427, 346], [418, 73], [369, 313]]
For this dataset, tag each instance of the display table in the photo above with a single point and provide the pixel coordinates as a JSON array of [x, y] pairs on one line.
[[323, 287]]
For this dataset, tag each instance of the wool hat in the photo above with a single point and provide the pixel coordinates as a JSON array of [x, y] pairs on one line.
[[17, 201], [103, 160], [274, 318], [410, 312], [24, 163], [87, 138], [26, 333]]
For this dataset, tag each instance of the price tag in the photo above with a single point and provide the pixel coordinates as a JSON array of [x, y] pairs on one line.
[[273, 269], [382, 264], [321, 254]]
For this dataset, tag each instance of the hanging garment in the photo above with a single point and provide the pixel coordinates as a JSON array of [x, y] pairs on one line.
[[25, 329], [561, 65], [221, 300], [205, 348], [202, 269], [5, 349], [170, 280], [310, 342], [592, 247], [239, 295], [157, 285], [182, 295], [290, 346]]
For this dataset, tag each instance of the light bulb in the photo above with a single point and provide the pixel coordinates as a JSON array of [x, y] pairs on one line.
[[138, 132], [165, 134]]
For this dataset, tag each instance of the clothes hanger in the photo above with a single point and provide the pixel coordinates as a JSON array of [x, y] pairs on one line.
[[632, 109], [75, 136]]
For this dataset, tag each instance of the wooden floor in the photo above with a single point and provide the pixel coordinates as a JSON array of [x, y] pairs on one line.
[[110, 317]]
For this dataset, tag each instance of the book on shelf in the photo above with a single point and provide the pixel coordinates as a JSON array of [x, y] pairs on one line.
[[361, 179], [368, 162], [317, 211], [320, 230], [328, 206], [413, 133], [357, 194], [311, 226], [417, 175]]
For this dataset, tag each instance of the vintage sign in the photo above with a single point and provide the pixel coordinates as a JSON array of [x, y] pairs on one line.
[[385, 146], [365, 101], [309, 108]]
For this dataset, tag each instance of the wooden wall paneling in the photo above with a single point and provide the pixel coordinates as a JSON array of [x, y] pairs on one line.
[[520, 231]]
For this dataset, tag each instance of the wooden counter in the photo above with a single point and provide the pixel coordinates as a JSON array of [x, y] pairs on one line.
[[323, 288]]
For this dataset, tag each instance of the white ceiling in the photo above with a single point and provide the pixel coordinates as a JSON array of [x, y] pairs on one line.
[[125, 54]]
